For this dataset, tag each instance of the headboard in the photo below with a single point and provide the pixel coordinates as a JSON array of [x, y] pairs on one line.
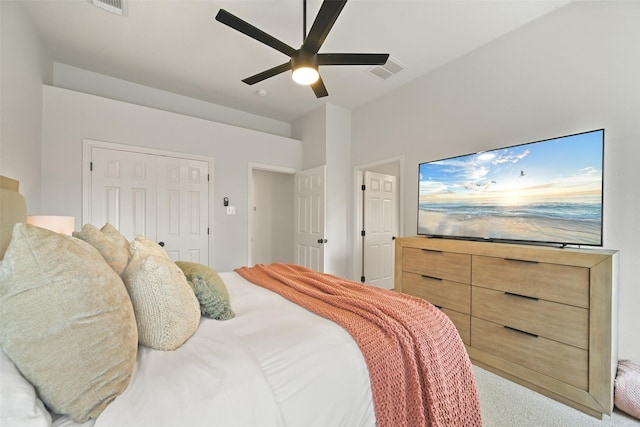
[[13, 209]]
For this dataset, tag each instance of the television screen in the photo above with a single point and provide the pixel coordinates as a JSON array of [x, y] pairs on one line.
[[542, 192]]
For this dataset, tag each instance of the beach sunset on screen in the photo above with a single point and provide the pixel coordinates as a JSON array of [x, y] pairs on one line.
[[549, 191]]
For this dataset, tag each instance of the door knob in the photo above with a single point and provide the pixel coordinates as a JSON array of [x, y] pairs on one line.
[[161, 244], [321, 241]]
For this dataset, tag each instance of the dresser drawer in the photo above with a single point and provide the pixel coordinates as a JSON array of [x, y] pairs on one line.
[[560, 361], [462, 323], [442, 293], [552, 282], [442, 265], [559, 322]]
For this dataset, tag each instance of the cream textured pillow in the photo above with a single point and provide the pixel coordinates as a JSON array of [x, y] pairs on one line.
[[209, 289], [114, 251], [116, 237], [143, 247], [66, 321], [167, 311]]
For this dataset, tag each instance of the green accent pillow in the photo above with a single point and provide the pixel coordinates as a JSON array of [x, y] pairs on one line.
[[66, 321], [209, 289]]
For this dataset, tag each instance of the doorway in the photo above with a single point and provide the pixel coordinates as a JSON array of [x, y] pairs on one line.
[[271, 206]]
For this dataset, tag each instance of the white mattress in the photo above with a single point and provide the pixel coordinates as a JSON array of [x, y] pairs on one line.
[[274, 364]]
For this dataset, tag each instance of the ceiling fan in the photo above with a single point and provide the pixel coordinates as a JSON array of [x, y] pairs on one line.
[[304, 62]]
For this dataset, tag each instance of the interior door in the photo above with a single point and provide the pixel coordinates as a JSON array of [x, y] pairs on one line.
[[309, 218], [163, 198], [182, 208], [123, 192], [379, 212]]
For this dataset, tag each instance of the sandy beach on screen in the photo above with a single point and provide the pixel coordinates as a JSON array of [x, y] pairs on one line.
[[530, 228]]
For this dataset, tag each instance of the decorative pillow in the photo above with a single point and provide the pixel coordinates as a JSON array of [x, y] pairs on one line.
[[19, 404], [143, 247], [110, 247], [167, 311], [627, 388], [116, 237], [13, 208], [209, 289], [66, 321]]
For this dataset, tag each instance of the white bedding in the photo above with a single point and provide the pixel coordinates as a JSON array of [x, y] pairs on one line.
[[274, 364]]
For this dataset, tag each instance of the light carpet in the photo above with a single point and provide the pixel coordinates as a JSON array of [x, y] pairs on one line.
[[506, 404]]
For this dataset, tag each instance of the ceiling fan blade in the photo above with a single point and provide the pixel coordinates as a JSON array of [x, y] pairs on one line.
[[352, 58], [253, 32], [319, 89], [267, 73], [329, 12]]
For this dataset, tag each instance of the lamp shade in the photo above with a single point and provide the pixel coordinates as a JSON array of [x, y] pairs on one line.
[[59, 224], [304, 67], [305, 75]]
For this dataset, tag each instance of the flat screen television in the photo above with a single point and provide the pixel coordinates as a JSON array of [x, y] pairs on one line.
[[543, 192]]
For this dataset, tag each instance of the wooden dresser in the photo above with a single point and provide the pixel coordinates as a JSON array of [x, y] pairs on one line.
[[543, 317]]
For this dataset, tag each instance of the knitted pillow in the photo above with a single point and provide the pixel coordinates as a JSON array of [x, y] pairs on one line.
[[66, 321], [209, 289], [167, 311], [110, 247], [627, 388], [142, 247]]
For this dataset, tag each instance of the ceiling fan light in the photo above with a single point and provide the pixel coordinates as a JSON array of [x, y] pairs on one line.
[[305, 75]]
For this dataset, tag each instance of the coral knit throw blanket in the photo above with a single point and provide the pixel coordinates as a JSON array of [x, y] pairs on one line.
[[419, 368]]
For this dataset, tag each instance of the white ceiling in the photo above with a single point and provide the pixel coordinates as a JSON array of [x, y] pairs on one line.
[[178, 46]]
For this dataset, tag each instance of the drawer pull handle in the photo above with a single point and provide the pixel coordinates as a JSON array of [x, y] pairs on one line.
[[520, 331], [521, 296], [521, 260], [431, 250], [424, 276]]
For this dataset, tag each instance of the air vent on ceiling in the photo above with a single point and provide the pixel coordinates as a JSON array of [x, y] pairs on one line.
[[114, 6], [390, 68]]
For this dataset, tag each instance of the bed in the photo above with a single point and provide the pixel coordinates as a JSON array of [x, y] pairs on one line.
[[275, 345]]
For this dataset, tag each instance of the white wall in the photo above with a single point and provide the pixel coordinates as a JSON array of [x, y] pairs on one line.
[[69, 117], [312, 130], [573, 70], [325, 134], [23, 68], [79, 80], [339, 186]]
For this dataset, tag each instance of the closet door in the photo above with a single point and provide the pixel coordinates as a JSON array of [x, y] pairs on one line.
[[163, 198], [123, 191], [182, 213]]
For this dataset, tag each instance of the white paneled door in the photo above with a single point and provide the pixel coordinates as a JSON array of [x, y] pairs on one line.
[[123, 191], [163, 198], [309, 218], [182, 208], [379, 212]]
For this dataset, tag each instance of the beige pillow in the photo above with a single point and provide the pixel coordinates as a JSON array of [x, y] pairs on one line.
[[116, 237], [167, 311], [111, 247], [143, 247], [66, 321]]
